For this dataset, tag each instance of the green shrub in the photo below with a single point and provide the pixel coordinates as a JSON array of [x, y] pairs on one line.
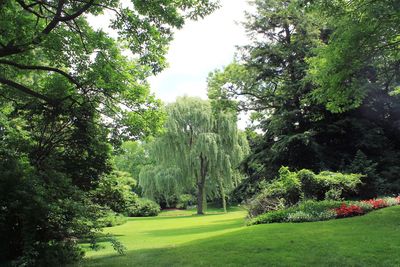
[[301, 216], [262, 203], [390, 201], [143, 208], [111, 219], [333, 194], [316, 207], [272, 217], [365, 206], [291, 187], [309, 184], [344, 183], [306, 211], [184, 201], [115, 191]]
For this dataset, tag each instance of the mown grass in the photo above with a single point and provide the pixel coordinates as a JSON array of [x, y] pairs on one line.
[[223, 240]]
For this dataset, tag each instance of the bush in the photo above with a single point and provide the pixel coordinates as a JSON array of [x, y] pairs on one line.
[[333, 194], [276, 216], [311, 210], [365, 206], [262, 203], [143, 208], [111, 219], [390, 201], [115, 191], [184, 201], [301, 216], [377, 203], [316, 207], [291, 187]]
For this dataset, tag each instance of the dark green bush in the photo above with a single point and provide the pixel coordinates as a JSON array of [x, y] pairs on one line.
[[111, 219], [316, 207], [263, 203], [276, 216], [184, 201], [292, 187], [306, 211], [115, 191], [143, 208]]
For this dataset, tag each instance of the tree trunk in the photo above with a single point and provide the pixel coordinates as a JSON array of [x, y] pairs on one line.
[[201, 187], [223, 197], [200, 197]]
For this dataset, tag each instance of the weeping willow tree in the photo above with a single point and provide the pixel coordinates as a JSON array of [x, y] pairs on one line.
[[202, 147], [160, 183]]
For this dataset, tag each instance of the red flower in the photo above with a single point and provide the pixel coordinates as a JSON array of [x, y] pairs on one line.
[[377, 203], [348, 211]]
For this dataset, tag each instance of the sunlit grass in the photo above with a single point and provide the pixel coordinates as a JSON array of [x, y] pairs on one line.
[[223, 240]]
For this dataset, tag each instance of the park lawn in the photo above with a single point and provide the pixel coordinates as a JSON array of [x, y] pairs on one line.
[[223, 240]]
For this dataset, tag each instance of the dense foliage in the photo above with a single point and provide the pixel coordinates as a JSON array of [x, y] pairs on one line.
[[199, 149], [143, 208], [307, 59], [66, 93], [311, 210], [289, 188]]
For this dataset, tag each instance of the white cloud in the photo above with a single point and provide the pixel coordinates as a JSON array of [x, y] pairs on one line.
[[198, 48]]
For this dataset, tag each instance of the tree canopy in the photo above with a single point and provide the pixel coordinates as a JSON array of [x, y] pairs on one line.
[[68, 93], [197, 146], [289, 76]]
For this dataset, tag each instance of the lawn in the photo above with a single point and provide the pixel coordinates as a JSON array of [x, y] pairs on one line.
[[175, 239]]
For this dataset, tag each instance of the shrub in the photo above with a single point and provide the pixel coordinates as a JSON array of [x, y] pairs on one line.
[[316, 207], [290, 187], [301, 216], [377, 203], [311, 210], [333, 194], [143, 208], [115, 191], [272, 217], [184, 201], [309, 184], [365, 206], [262, 203], [111, 219], [390, 201]]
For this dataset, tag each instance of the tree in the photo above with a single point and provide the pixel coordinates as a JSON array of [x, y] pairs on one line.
[[66, 92], [199, 146], [359, 54], [272, 79]]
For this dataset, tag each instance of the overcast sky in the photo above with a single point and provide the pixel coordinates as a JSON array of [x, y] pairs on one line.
[[199, 48]]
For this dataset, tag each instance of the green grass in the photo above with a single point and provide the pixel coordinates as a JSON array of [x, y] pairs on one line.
[[223, 240]]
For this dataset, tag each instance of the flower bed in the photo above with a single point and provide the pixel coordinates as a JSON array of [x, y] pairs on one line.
[[348, 211], [310, 210]]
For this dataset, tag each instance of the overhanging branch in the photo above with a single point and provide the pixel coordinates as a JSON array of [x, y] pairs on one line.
[[45, 68], [26, 90]]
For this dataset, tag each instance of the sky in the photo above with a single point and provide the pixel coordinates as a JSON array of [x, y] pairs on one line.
[[199, 48]]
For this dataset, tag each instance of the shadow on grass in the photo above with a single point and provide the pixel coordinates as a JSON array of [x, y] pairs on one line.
[[172, 216], [215, 227], [371, 240], [101, 237]]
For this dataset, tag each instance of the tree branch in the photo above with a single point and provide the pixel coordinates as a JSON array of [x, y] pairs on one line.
[[77, 13], [26, 90], [45, 68]]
